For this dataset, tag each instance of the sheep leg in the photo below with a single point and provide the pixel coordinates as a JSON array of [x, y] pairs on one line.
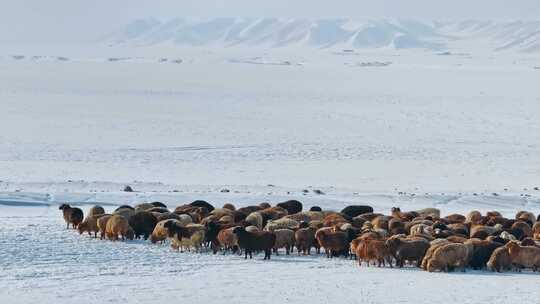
[[287, 250]]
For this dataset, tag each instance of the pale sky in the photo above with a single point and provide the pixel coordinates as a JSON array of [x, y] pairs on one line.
[[54, 21]]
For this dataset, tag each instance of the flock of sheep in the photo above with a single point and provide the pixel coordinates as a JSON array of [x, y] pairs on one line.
[[420, 238]]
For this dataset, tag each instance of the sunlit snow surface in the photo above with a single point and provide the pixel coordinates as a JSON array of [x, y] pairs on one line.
[[43, 262]]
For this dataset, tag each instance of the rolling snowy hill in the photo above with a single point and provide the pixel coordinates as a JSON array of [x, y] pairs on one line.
[[332, 33]]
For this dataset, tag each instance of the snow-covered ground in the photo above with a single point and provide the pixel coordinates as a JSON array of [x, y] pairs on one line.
[[457, 130], [43, 262]]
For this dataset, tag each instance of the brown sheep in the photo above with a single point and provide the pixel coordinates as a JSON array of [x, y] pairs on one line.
[[372, 250], [407, 250], [281, 224], [160, 232], [226, 240], [524, 227], [433, 245], [192, 235], [431, 212], [73, 216], [95, 210], [333, 242], [255, 219], [143, 207], [449, 256], [406, 216], [229, 206], [90, 225], [536, 230], [254, 241], [454, 218], [117, 225], [102, 224], [474, 217], [500, 260], [305, 239], [284, 239], [524, 256], [527, 217]]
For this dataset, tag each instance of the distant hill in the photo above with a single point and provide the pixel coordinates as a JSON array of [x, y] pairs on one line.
[[523, 36]]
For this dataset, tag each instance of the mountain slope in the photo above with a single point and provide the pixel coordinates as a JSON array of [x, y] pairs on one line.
[[332, 33]]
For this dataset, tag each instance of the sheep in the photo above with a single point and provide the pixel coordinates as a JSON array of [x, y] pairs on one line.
[[95, 210], [73, 216], [252, 228], [454, 218], [158, 210], [89, 224], [482, 232], [143, 223], [225, 240], [117, 225], [265, 205], [201, 203], [433, 245], [284, 239], [524, 256], [474, 217], [381, 222], [307, 216], [273, 214], [143, 207], [249, 209], [292, 206], [356, 210], [255, 219], [407, 250], [160, 232], [333, 242], [125, 212], [253, 241], [102, 224], [166, 216], [536, 230], [500, 260], [524, 227], [482, 251], [124, 207], [406, 216], [449, 256], [369, 250], [431, 212], [526, 216], [281, 224], [158, 204], [334, 219], [229, 206], [305, 239], [192, 235]]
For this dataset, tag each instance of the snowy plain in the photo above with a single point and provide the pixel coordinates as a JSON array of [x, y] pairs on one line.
[[455, 129]]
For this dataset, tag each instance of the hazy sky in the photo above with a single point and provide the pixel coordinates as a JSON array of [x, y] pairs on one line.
[[70, 20]]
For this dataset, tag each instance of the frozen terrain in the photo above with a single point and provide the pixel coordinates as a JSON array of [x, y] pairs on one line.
[[385, 113]]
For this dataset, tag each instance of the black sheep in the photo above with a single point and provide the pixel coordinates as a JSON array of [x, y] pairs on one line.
[[356, 210], [292, 206], [254, 241], [73, 216], [201, 203], [143, 223]]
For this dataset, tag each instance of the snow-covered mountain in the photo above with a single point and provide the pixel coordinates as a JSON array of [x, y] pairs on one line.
[[332, 33]]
